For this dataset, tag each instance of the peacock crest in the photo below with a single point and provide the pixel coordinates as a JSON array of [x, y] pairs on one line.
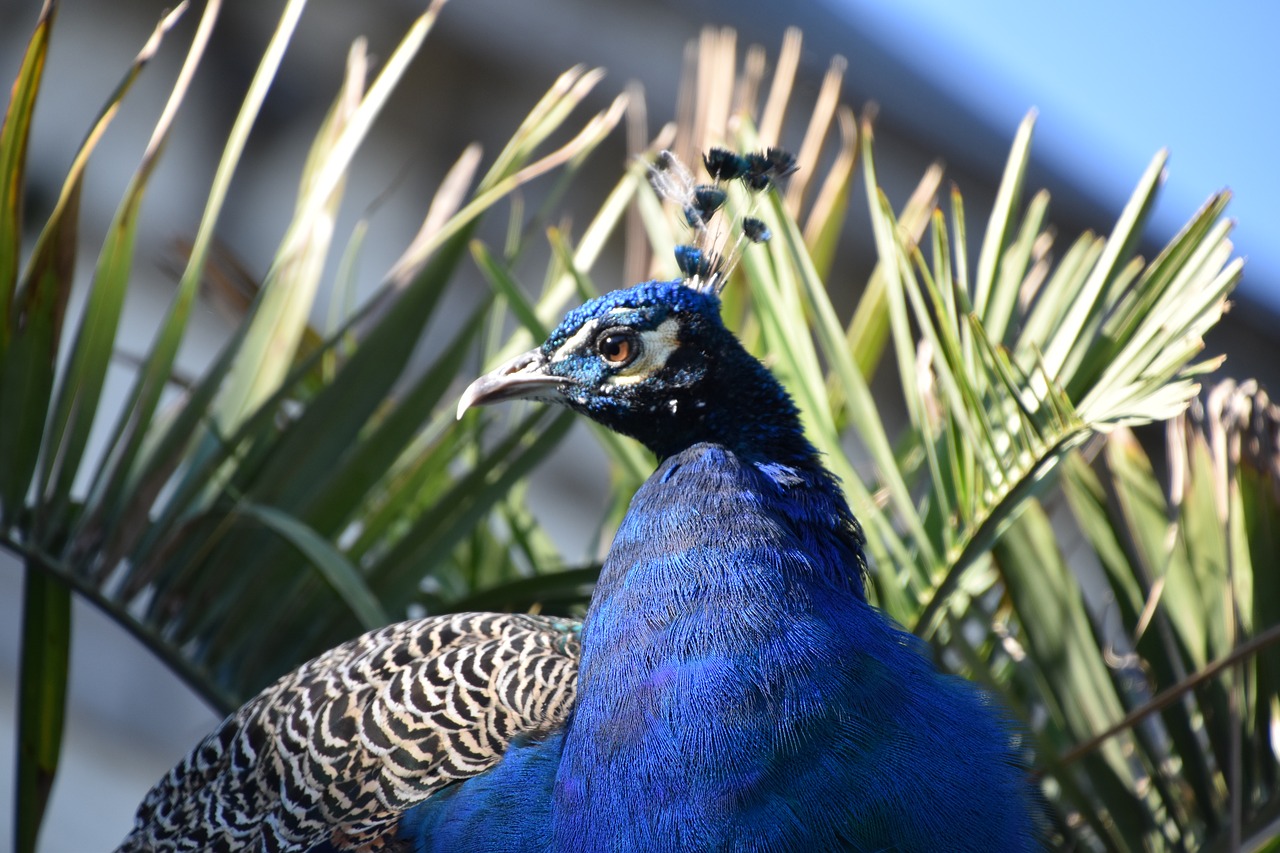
[[708, 260]]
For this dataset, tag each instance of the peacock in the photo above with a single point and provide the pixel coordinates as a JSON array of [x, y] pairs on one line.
[[730, 687]]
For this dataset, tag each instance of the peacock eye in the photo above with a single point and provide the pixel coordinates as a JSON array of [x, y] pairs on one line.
[[618, 346]]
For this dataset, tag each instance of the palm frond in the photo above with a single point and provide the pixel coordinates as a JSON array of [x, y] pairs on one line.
[[303, 486]]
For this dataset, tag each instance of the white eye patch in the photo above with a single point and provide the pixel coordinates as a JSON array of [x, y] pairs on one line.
[[577, 341], [656, 346]]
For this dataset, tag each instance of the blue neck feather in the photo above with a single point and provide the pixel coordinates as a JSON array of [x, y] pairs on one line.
[[710, 624]]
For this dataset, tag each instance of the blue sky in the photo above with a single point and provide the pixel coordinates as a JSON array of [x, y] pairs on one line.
[[1114, 82]]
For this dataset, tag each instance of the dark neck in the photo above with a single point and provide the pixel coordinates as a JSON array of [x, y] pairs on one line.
[[746, 434], [731, 400]]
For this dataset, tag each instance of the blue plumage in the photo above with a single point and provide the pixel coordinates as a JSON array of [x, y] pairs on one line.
[[736, 690], [730, 688]]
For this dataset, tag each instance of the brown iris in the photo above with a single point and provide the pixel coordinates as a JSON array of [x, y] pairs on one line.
[[617, 346]]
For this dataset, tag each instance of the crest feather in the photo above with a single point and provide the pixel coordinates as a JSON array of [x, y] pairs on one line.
[[702, 265]]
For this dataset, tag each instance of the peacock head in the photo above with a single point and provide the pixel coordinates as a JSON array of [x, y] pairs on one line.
[[655, 361]]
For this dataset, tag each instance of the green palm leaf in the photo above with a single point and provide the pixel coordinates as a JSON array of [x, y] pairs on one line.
[[270, 479]]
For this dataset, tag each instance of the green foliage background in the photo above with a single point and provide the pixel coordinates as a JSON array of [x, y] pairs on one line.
[[314, 483]]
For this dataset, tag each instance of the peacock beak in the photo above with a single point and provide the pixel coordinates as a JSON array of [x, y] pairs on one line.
[[521, 378]]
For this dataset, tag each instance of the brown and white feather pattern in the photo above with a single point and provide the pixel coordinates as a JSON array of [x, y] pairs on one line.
[[337, 749]]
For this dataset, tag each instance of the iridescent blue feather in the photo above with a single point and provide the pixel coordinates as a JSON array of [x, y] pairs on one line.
[[731, 688], [736, 690]]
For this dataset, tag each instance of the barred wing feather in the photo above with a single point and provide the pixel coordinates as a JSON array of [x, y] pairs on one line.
[[338, 749]]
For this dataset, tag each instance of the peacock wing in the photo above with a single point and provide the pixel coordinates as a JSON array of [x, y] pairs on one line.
[[338, 749]]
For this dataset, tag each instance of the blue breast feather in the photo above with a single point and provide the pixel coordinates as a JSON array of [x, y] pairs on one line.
[[738, 693]]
